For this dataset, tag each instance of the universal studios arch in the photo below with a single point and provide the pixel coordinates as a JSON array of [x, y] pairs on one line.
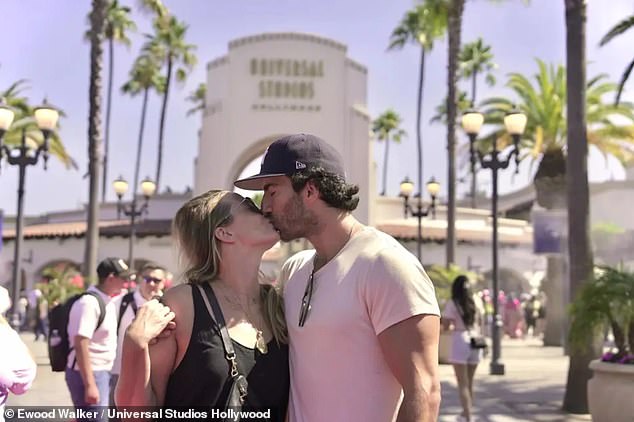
[[273, 84]]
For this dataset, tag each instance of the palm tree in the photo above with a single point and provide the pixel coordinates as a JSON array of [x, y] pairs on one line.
[[544, 103], [97, 23], [579, 246], [464, 103], [13, 97], [476, 58], [387, 126], [118, 23], [619, 29], [455, 11], [197, 98], [169, 47], [144, 76], [422, 26]]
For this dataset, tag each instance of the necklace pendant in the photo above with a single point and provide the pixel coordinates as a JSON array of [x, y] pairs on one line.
[[260, 344]]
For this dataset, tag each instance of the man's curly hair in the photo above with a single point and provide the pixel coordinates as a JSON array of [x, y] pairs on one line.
[[333, 189]]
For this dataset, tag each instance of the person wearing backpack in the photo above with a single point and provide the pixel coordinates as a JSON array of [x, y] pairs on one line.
[[93, 344], [149, 284]]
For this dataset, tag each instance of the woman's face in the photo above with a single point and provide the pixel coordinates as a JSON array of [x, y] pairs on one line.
[[250, 227]]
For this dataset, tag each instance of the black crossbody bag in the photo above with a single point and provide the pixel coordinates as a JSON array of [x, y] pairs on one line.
[[239, 385], [476, 341]]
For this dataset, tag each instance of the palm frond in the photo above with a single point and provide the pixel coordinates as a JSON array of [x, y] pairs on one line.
[[617, 30]]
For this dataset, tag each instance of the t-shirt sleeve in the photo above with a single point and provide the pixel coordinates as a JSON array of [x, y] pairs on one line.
[[397, 288], [83, 318], [17, 367]]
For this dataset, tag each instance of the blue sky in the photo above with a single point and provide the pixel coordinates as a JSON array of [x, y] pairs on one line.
[[48, 49]]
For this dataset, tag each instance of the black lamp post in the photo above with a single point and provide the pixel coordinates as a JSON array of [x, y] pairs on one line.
[[133, 210], [515, 123], [407, 187], [22, 156]]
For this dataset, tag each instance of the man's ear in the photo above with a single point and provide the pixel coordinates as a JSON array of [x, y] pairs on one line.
[[311, 192], [223, 234]]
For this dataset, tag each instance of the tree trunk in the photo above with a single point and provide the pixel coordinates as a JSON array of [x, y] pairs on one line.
[[139, 147], [473, 88], [579, 246], [386, 155], [159, 160], [97, 20], [106, 142], [419, 148], [454, 29], [550, 191], [554, 280]]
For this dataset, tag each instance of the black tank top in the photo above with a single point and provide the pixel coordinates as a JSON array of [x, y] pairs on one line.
[[202, 377]]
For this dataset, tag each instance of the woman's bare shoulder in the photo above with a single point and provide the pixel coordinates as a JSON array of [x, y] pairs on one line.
[[178, 296]]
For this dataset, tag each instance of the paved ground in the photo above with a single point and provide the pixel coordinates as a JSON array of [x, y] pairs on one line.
[[531, 390]]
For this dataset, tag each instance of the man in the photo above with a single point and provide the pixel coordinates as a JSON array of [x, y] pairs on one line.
[[94, 345], [362, 315], [149, 285]]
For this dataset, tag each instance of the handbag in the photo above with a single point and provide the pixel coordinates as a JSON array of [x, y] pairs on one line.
[[239, 385], [475, 341], [478, 342]]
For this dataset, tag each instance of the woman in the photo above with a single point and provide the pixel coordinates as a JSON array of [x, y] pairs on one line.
[[222, 237], [464, 318], [17, 367]]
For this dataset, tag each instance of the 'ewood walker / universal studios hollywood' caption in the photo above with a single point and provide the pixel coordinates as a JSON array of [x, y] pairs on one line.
[[69, 413]]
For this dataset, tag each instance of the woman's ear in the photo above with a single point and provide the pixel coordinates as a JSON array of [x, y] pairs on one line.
[[223, 234]]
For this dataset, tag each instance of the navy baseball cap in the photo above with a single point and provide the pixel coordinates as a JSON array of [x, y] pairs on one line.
[[293, 154]]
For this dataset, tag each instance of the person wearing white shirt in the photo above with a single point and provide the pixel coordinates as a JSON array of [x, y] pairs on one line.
[[94, 345], [149, 285]]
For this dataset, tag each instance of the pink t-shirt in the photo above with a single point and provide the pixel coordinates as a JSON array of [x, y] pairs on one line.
[[338, 372], [17, 368]]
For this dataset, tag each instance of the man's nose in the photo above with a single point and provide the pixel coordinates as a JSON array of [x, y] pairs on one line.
[[266, 205]]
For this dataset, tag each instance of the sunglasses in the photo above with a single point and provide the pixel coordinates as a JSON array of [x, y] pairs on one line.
[[246, 203], [308, 295], [149, 279]]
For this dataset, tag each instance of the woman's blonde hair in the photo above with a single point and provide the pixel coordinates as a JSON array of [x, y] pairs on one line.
[[193, 229]]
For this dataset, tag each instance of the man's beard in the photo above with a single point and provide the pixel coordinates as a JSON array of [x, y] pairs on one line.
[[295, 221]]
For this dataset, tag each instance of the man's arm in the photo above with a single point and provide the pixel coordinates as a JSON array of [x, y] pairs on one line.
[[82, 354], [410, 349]]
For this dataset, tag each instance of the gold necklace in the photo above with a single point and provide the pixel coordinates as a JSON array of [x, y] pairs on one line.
[[260, 343]]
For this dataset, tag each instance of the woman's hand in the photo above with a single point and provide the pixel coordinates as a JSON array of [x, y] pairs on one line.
[[152, 322]]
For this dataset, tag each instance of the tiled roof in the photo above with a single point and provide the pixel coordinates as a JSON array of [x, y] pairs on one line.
[[78, 229]]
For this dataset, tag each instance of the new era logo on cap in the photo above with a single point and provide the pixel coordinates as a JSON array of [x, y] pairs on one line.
[[292, 154]]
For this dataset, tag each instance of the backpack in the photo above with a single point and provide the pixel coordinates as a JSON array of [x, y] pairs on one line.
[[58, 342], [127, 300]]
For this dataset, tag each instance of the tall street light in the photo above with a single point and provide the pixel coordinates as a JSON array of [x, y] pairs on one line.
[[133, 210], [407, 187], [515, 123], [22, 156], [471, 123]]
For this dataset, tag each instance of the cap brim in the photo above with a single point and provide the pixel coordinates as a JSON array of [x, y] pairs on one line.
[[256, 182]]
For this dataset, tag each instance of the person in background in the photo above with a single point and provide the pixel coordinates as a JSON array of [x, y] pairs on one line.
[[464, 318], [150, 284], [94, 345], [17, 367]]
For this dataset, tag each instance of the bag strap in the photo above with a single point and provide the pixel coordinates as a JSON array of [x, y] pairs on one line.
[[102, 316], [102, 308], [126, 300], [213, 307]]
